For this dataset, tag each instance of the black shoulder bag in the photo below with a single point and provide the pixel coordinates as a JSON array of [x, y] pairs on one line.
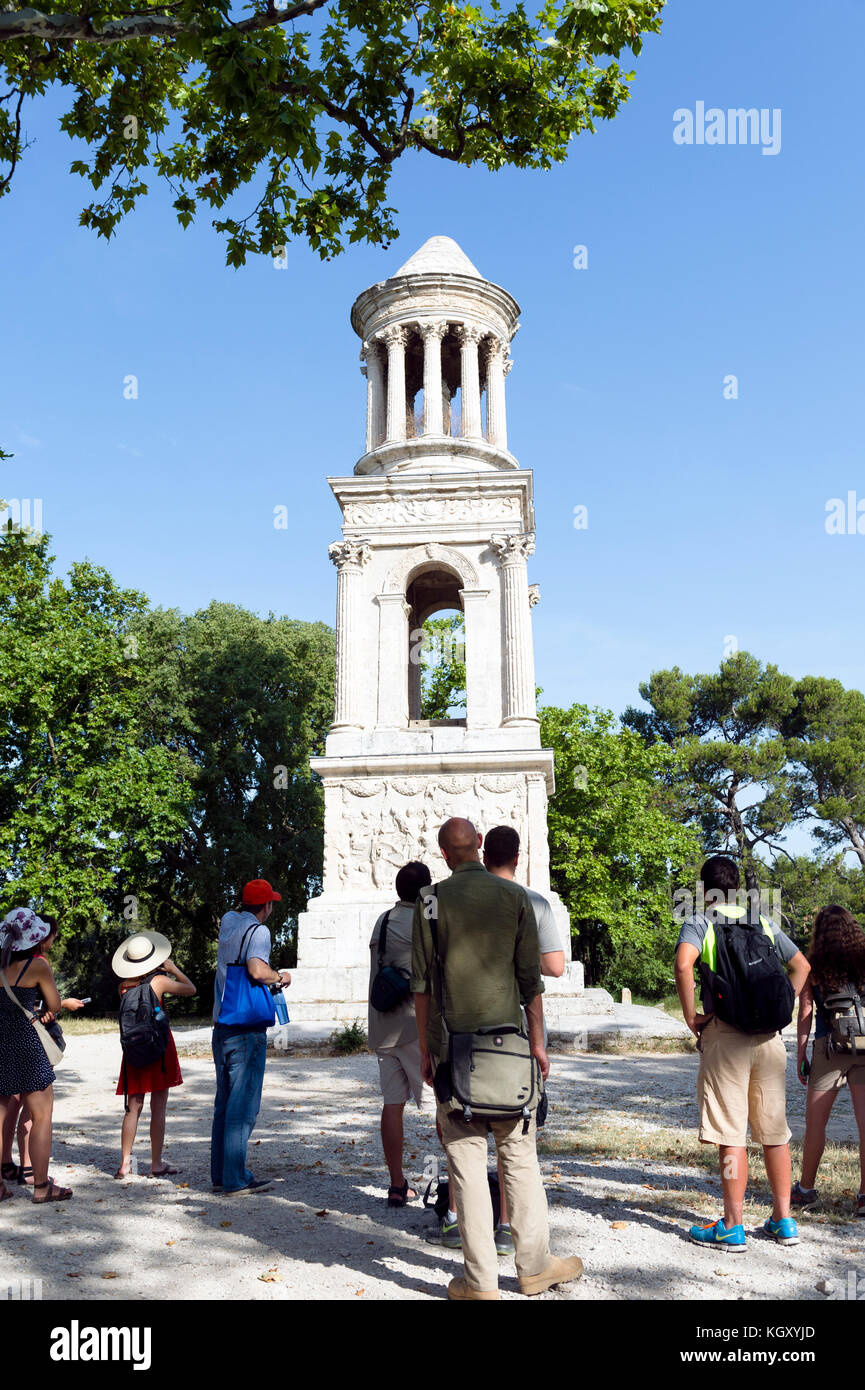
[[391, 986]]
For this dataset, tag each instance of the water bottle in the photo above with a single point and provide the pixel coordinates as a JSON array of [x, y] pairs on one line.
[[281, 1006]]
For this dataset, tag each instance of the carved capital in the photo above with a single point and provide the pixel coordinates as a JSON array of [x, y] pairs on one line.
[[514, 549], [349, 554], [371, 349], [468, 335], [393, 336], [534, 594], [433, 330], [494, 347]]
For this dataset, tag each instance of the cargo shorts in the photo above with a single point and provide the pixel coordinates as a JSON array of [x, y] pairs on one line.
[[742, 1081]]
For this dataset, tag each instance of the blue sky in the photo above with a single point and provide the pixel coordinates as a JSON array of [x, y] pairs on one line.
[[706, 515]]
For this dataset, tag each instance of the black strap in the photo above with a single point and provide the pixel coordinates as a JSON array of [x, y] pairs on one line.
[[382, 940], [241, 959], [23, 968], [433, 928]]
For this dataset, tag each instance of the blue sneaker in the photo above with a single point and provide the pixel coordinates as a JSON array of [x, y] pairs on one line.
[[717, 1235], [785, 1231]]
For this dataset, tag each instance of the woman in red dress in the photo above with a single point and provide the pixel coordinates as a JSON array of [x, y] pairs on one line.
[[134, 961]]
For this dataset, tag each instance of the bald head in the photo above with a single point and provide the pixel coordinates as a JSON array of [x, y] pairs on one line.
[[459, 841]]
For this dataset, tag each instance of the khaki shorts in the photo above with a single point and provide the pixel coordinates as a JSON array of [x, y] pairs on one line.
[[831, 1072], [742, 1081], [399, 1074]]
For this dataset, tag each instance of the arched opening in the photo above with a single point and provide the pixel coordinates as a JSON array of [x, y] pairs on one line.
[[452, 382], [436, 664], [413, 384]]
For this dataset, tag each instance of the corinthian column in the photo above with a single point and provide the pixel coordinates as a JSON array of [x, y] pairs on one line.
[[513, 551], [394, 340], [373, 370], [497, 430], [469, 337], [349, 558], [433, 414]]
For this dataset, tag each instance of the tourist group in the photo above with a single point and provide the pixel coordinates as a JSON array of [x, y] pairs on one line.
[[456, 1006]]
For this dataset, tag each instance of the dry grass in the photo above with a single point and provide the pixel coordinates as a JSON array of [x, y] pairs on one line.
[[79, 1025], [598, 1140], [622, 1046]]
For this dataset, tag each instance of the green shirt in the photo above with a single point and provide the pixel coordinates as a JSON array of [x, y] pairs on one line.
[[488, 942]]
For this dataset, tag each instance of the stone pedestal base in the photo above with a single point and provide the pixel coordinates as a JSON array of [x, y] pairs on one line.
[[332, 977]]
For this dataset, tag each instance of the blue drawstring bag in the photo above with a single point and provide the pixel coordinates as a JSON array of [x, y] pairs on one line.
[[245, 1002]]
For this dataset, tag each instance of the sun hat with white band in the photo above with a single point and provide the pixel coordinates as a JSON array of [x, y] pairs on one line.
[[140, 954]]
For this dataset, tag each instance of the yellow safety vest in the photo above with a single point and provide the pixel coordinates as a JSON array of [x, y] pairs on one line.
[[708, 955]]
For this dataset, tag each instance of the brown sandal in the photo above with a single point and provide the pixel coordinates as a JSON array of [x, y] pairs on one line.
[[55, 1193]]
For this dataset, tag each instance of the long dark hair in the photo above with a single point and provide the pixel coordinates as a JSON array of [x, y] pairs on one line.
[[837, 950]]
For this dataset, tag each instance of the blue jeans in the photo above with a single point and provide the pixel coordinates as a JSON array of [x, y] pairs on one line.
[[239, 1059]]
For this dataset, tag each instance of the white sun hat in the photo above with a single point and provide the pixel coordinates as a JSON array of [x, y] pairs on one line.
[[22, 930], [140, 954]]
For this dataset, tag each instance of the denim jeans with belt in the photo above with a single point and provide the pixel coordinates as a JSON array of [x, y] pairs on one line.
[[239, 1058]]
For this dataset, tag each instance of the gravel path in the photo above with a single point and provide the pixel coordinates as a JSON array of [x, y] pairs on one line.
[[324, 1230]]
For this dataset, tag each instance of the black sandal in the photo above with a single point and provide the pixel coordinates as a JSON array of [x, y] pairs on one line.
[[24, 1174], [398, 1196], [9, 1172], [55, 1193]]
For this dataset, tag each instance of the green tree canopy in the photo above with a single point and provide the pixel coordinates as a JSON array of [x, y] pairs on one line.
[[615, 842], [734, 759], [304, 108], [87, 799], [808, 884], [245, 700], [826, 730]]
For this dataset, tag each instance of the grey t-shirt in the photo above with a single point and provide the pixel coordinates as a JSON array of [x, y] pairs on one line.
[[231, 930], [398, 1027], [693, 933], [548, 932]]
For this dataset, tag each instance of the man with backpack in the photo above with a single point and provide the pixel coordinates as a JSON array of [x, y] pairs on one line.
[[751, 974], [392, 1030], [475, 958], [243, 973]]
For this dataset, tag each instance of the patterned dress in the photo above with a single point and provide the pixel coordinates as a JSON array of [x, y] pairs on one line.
[[23, 1064]]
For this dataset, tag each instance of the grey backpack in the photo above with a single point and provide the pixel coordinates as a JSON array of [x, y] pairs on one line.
[[845, 1017]]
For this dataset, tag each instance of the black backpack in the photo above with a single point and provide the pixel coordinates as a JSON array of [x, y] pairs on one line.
[[439, 1204], [144, 1034], [749, 988]]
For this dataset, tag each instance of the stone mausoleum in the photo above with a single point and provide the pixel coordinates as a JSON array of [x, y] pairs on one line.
[[437, 516]]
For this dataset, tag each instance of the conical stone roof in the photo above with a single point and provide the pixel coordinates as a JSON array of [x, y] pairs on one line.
[[439, 255]]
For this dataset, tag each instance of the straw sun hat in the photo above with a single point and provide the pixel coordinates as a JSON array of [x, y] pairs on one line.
[[140, 954]]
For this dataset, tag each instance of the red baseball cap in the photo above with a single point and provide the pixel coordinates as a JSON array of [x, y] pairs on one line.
[[259, 891]]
